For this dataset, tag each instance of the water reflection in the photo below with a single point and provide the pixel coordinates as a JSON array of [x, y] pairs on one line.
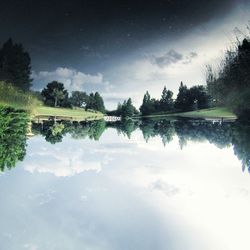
[[13, 133], [221, 134], [161, 184]]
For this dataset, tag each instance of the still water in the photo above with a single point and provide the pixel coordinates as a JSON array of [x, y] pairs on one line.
[[162, 185]]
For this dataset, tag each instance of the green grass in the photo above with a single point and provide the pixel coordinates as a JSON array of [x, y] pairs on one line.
[[15, 98], [216, 112], [74, 114]]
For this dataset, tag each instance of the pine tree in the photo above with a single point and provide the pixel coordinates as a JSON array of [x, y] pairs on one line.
[[15, 65], [166, 102]]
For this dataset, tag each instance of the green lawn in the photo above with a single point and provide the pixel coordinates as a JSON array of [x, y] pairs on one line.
[[74, 114], [217, 112]]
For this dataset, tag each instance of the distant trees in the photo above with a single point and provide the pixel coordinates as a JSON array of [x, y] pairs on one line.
[[152, 105], [127, 109], [78, 99], [149, 105], [15, 65], [191, 99], [166, 102], [187, 99], [95, 102], [231, 85], [55, 94]]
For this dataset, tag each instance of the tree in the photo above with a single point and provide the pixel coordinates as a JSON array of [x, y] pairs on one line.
[[198, 97], [147, 106], [95, 102], [99, 103], [78, 98], [166, 102], [55, 133], [232, 82], [55, 94], [15, 65], [127, 109], [183, 101]]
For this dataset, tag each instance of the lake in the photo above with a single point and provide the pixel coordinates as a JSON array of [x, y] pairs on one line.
[[163, 184]]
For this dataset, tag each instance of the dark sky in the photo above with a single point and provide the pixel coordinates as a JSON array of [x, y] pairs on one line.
[[72, 32], [93, 37]]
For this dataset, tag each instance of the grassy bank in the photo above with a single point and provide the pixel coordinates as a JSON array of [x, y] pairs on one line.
[[216, 113], [18, 99], [74, 114]]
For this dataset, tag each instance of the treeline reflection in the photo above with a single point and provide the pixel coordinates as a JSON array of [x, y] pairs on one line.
[[221, 134], [15, 127]]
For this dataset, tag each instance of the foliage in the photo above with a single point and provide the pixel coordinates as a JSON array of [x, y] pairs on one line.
[[187, 100], [78, 99], [126, 109], [166, 102], [55, 131], [149, 105], [231, 86], [13, 129], [16, 98], [95, 102], [15, 65], [191, 99], [125, 127], [55, 94]]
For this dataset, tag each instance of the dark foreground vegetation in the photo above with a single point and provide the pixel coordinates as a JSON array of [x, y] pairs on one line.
[[230, 84]]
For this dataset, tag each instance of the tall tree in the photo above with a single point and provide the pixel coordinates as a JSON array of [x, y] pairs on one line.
[[127, 109], [183, 102], [55, 94], [99, 103], [166, 102], [15, 65], [95, 102]]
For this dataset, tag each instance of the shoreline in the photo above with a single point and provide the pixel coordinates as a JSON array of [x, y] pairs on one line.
[[217, 113]]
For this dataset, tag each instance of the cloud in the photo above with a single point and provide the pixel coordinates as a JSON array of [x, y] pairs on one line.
[[72, 80], [172, 57], [190, 57], [168, 58], [167, 189]]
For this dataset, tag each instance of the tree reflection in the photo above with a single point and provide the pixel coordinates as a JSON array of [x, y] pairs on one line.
[[241, 144], [221, 134], [13, 130], [53, 131]]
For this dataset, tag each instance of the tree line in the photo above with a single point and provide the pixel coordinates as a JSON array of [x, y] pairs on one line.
[[15, 70], [229, 85], [54, 94]]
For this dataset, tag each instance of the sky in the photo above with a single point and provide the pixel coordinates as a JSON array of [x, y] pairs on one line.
[[125, 194], [123, 48]]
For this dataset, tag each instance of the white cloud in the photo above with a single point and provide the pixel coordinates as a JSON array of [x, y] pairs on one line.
[[72, 80]]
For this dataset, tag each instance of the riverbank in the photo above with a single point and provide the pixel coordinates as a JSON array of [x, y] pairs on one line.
[[78, 114], [44, 112], [210, 113]]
